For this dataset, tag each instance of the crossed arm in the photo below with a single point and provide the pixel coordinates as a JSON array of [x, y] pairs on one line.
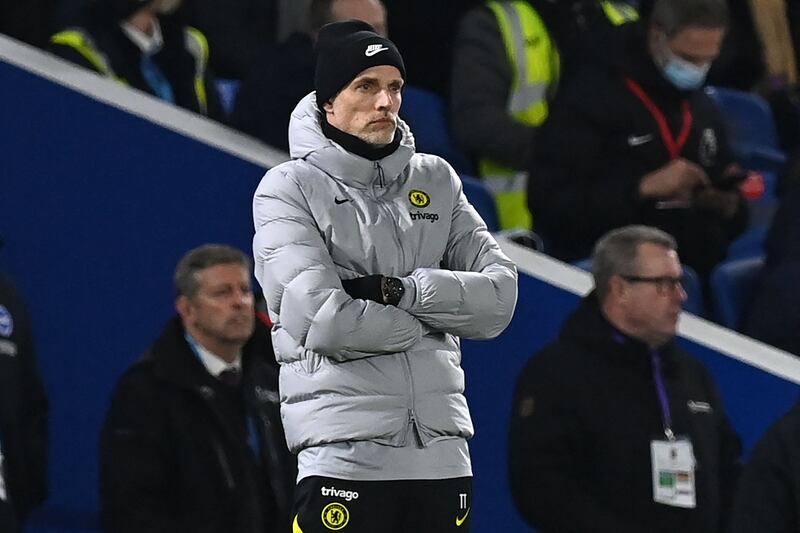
[[474, 294]]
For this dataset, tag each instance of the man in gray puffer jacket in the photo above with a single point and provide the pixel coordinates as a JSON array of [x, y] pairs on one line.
[[373, 263]]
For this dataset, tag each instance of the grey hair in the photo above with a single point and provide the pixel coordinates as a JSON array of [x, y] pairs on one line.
[[186, 279], [672, 16], [616, 253]]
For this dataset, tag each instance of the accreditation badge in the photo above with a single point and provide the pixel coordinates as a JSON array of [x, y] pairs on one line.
[[673, 473]]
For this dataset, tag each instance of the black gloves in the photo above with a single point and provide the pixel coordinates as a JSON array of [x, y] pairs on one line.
[[377, 288], [364, 288]]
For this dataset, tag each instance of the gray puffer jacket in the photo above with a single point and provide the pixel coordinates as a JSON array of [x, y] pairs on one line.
[[354, 370]]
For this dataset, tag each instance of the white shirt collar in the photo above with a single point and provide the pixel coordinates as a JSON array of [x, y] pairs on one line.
[[214, 364], [148, 44]]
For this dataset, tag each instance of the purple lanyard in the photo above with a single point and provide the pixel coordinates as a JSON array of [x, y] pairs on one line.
[[661, 389]]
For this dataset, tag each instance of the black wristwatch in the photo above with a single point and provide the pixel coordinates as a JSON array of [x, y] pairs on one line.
[[392, 290]]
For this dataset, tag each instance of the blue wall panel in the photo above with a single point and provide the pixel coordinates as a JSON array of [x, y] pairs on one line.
[[96, 206]]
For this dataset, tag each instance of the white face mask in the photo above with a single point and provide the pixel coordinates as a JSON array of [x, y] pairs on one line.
[[165, 7], [681, 73], [684, 74]]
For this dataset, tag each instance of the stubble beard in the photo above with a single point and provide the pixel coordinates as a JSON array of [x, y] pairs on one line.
[[380, 137]]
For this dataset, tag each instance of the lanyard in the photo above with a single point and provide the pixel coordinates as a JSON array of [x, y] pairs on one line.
[[674, 146], [661, 389]]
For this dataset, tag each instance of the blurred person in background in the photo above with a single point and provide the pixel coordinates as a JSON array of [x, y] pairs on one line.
[[773, 314], [614, 428], [23, 415], [283, 76], [29, 21], [741, 61], [509, 58], [636, 140], [768, 495], [425, 31], [240, 32], [193, 440], [142, 44]]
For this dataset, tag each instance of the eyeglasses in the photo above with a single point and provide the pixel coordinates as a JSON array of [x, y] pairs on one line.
[[664, 284]]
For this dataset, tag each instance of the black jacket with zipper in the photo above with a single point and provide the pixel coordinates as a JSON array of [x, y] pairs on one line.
[[175, 455], [584, 414]]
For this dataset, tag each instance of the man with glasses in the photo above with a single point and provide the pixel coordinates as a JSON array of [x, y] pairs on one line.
[[614, 427]]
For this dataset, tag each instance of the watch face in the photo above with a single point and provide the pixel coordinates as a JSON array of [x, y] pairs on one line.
[[392, 290]]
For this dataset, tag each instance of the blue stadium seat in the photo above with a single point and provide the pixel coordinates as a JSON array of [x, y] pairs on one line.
[[426, 114], [691, 284], [749, 244], [754, 140], [732, 285], [227, 90], [751, 129], [482, 200]]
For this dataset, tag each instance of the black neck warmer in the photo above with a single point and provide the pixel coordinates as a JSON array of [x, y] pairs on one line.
[[353, 144]]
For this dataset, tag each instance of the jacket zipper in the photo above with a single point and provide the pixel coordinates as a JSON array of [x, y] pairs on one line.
[[382, 204], [274, 466], [412, 417], [381, 175]]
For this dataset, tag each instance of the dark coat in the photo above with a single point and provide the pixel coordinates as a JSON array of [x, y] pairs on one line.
[[29, 21], [173, 459], [774, 314], [174, 60], [240, 32], [23, 411], [482, 75], [768, 496], [272, 89], [585, 411], [600, 141], [427, 53]]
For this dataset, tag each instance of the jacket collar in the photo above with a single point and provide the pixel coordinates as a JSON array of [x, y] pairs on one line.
[[175, 362], [588, 327], [308, 142]]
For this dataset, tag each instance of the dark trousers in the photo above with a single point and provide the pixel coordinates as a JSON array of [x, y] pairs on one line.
[[325, 504]]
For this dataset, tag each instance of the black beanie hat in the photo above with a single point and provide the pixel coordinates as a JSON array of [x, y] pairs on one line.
[[346, 48]]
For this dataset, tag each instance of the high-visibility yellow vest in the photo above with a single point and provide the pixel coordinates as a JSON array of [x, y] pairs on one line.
[[197, 45], [536, 67], [619, 13], [194, 41], [84, 45]]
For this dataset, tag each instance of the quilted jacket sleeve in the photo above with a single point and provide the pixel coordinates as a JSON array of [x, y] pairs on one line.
[[302, 287], [474, 294]]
